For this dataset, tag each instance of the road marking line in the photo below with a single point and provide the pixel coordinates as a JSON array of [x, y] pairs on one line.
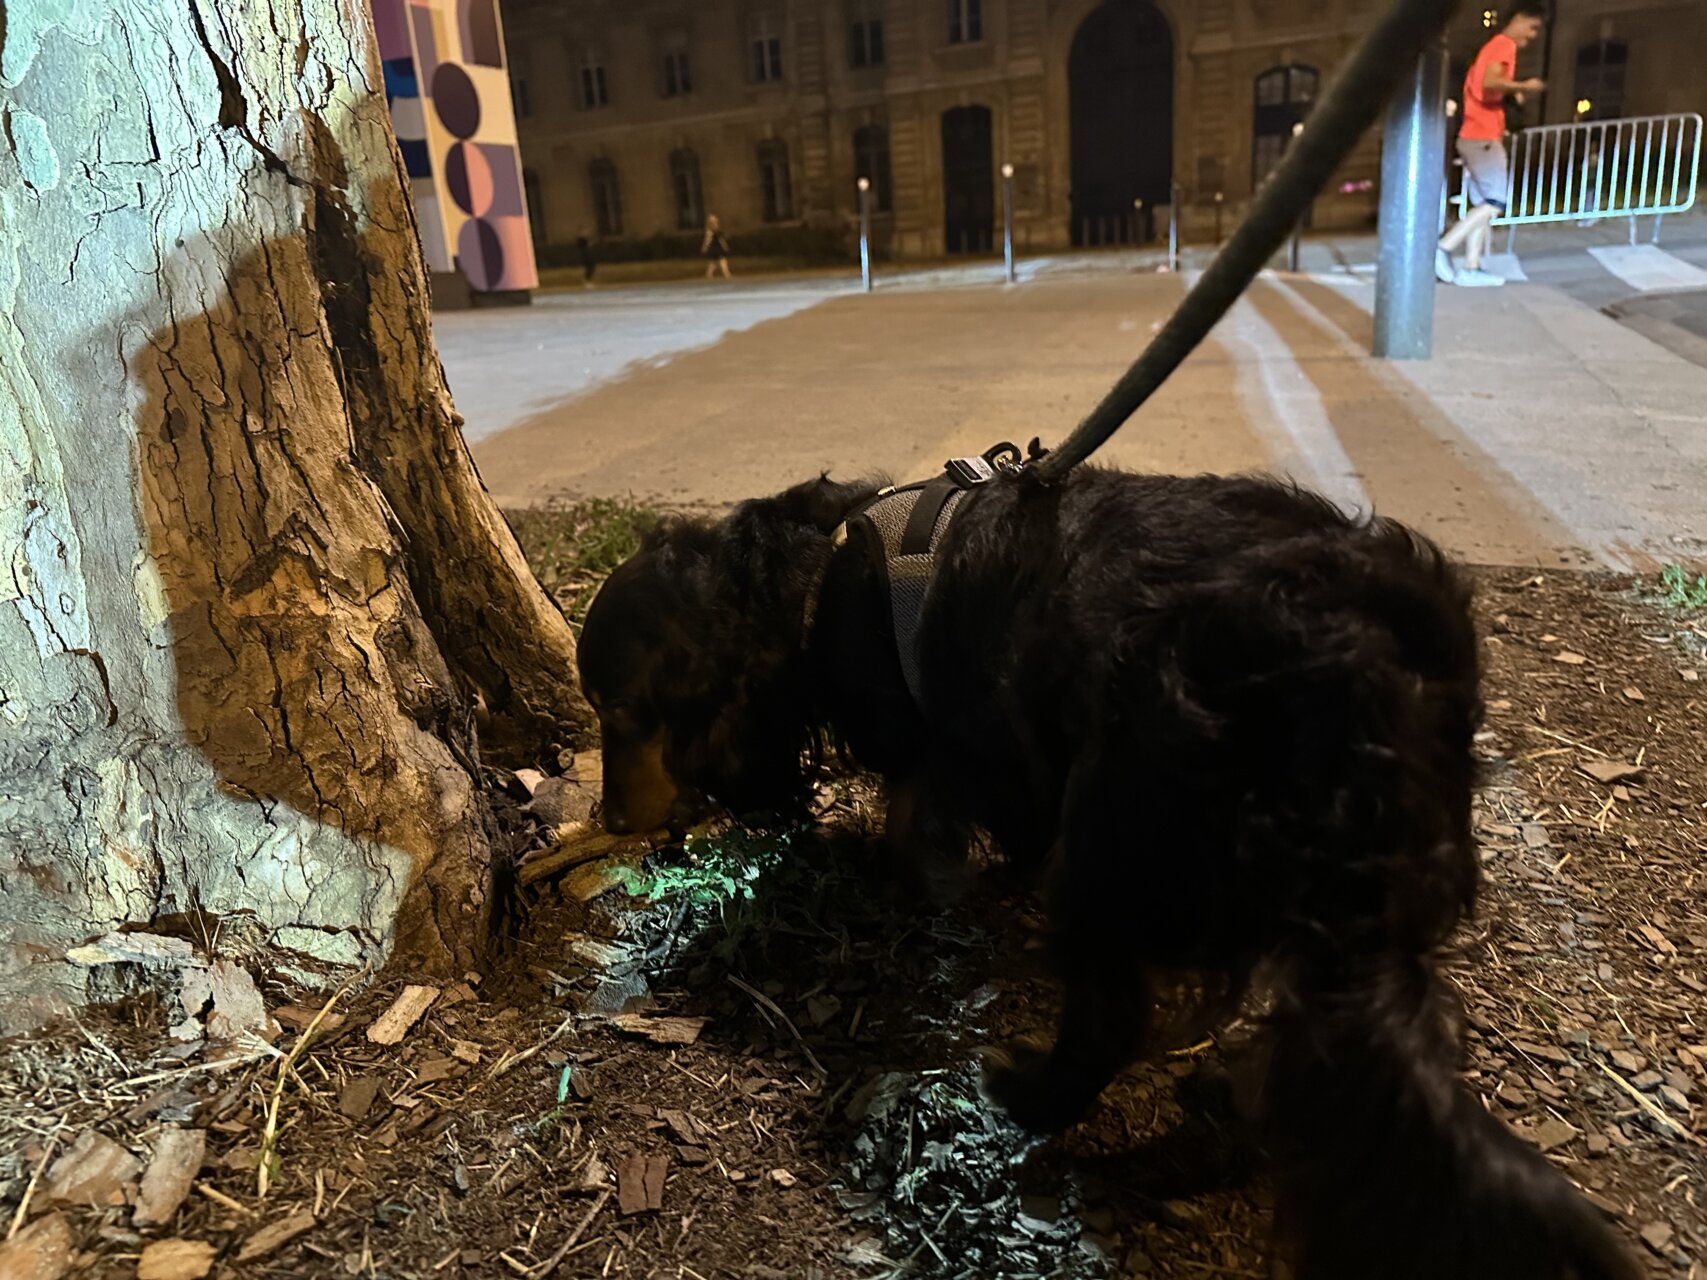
[[1649, 268], [1278, 394]]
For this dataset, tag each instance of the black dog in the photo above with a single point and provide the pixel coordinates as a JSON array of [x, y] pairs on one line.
[[1236, 724]]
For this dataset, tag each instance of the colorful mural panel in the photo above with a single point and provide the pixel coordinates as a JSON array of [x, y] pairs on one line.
[[449, 94]]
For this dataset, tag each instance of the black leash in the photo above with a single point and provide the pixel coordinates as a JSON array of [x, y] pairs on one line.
[[1354, 99]]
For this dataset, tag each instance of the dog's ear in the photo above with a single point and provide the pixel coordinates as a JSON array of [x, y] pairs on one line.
[[822, 503]]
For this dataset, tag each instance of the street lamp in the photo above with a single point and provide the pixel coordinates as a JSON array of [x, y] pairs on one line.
[[1008, 221], [865, 233]]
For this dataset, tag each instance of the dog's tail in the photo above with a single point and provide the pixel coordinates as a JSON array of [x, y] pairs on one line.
[[1388, 1166]]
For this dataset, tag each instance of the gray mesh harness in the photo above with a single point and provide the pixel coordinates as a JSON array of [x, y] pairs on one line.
[[907, 526]]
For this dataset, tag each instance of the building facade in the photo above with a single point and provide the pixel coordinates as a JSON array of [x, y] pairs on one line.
[[637, 118]]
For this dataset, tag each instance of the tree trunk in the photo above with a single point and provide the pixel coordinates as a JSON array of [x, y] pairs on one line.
[[256, 586]]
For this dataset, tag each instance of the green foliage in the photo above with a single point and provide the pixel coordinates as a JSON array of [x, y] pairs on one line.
[[719, 869], [572, 548], [1679, 591]]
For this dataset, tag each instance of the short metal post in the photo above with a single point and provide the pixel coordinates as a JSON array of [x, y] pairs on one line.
[[1008, 221], [1173, 227], [1413, 158], [1298, 227], [1219, 200], [865, 233]]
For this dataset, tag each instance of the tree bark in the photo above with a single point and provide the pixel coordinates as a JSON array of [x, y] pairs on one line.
[[256, 586]]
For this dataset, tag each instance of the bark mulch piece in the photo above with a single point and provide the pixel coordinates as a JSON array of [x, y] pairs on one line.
[[752, 1058]]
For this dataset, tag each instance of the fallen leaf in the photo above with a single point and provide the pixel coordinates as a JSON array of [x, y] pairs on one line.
[[175, 1260], [436, 1069], [95, 1170], [682, 1125], [1657, 940], [1610, 770], [405, 1012], [356, 1097], [1569, 659], [1657, 1236], [275, 1235], [1634, 694], [43, 1250], [1551, 1134], [669, 1030], [640, 1184], [298, 1017], [238, 1009], [178, 1155]]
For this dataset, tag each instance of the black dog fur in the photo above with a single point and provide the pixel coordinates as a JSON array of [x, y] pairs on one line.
[[1234, 723]]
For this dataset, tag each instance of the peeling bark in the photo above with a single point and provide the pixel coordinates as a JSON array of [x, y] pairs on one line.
[[253, 583]]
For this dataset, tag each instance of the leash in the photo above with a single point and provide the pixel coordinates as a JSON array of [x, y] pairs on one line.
[[1353, 100]]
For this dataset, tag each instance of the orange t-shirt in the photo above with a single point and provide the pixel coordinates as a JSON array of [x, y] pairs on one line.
[[1484, 109]]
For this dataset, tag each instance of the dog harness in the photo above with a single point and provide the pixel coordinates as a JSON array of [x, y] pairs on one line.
[[907, 526]]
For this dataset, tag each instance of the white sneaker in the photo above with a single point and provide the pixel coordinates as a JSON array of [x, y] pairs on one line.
[[1443, 271], [1478, 279]]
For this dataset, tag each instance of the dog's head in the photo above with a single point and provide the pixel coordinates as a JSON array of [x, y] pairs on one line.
[[692, 658]]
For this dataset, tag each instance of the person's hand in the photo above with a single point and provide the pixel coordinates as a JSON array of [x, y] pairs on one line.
[[1533, 85]]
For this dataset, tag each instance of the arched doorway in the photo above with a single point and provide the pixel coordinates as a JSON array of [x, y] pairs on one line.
[[968, 181], [1120, 79]]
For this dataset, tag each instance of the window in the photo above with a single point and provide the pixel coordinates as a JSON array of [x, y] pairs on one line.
[[965, 21], [685, 189], [764, 41], [607, 197], [865, 34], [1282, 99], [1600, 79], [678, 78], [871, 161], [593, 91], [775, 189]]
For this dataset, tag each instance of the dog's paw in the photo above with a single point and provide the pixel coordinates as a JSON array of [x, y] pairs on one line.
[[1022, 1079]]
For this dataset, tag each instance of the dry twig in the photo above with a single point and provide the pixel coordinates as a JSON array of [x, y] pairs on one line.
[[766, 1002]]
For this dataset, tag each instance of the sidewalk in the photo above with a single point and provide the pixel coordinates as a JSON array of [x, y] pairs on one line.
[[1543, 432]]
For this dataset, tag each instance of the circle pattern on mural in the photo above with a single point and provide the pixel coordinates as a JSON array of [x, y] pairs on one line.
[[480, 253], [468, 178], [456, 100]]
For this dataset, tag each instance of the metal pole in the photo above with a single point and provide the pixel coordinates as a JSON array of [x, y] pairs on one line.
[[1008, 221], [1297, 227], [1413, 158], [865, 233], [1219, 198], [1173, 226]]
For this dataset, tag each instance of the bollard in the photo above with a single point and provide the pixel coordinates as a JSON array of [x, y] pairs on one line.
[[1297, 227], [1008, 221], [1219, 199], [1173, 226], [1413, 153], [865, 233]]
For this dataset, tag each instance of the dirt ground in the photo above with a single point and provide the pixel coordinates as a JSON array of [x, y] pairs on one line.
[[746, 1058]]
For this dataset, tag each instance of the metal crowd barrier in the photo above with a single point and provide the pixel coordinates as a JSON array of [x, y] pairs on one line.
[[1642, 166]]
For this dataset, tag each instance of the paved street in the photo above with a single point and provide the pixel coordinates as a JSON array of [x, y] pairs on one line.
[[1543, 432]]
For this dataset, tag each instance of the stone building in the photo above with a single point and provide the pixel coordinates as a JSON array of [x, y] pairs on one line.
[[639, 117]]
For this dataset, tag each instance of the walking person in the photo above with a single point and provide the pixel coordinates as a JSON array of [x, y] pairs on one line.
[[1481, 143], [714, 249], [589, 262]]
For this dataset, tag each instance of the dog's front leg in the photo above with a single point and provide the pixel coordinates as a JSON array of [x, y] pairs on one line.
[[927, 849], [1105, 1023]]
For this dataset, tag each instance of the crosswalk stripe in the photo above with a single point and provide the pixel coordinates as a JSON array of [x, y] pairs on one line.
[[1649, 268]]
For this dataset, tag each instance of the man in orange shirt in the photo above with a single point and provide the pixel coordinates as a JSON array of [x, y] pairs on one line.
[[1481, 143]]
